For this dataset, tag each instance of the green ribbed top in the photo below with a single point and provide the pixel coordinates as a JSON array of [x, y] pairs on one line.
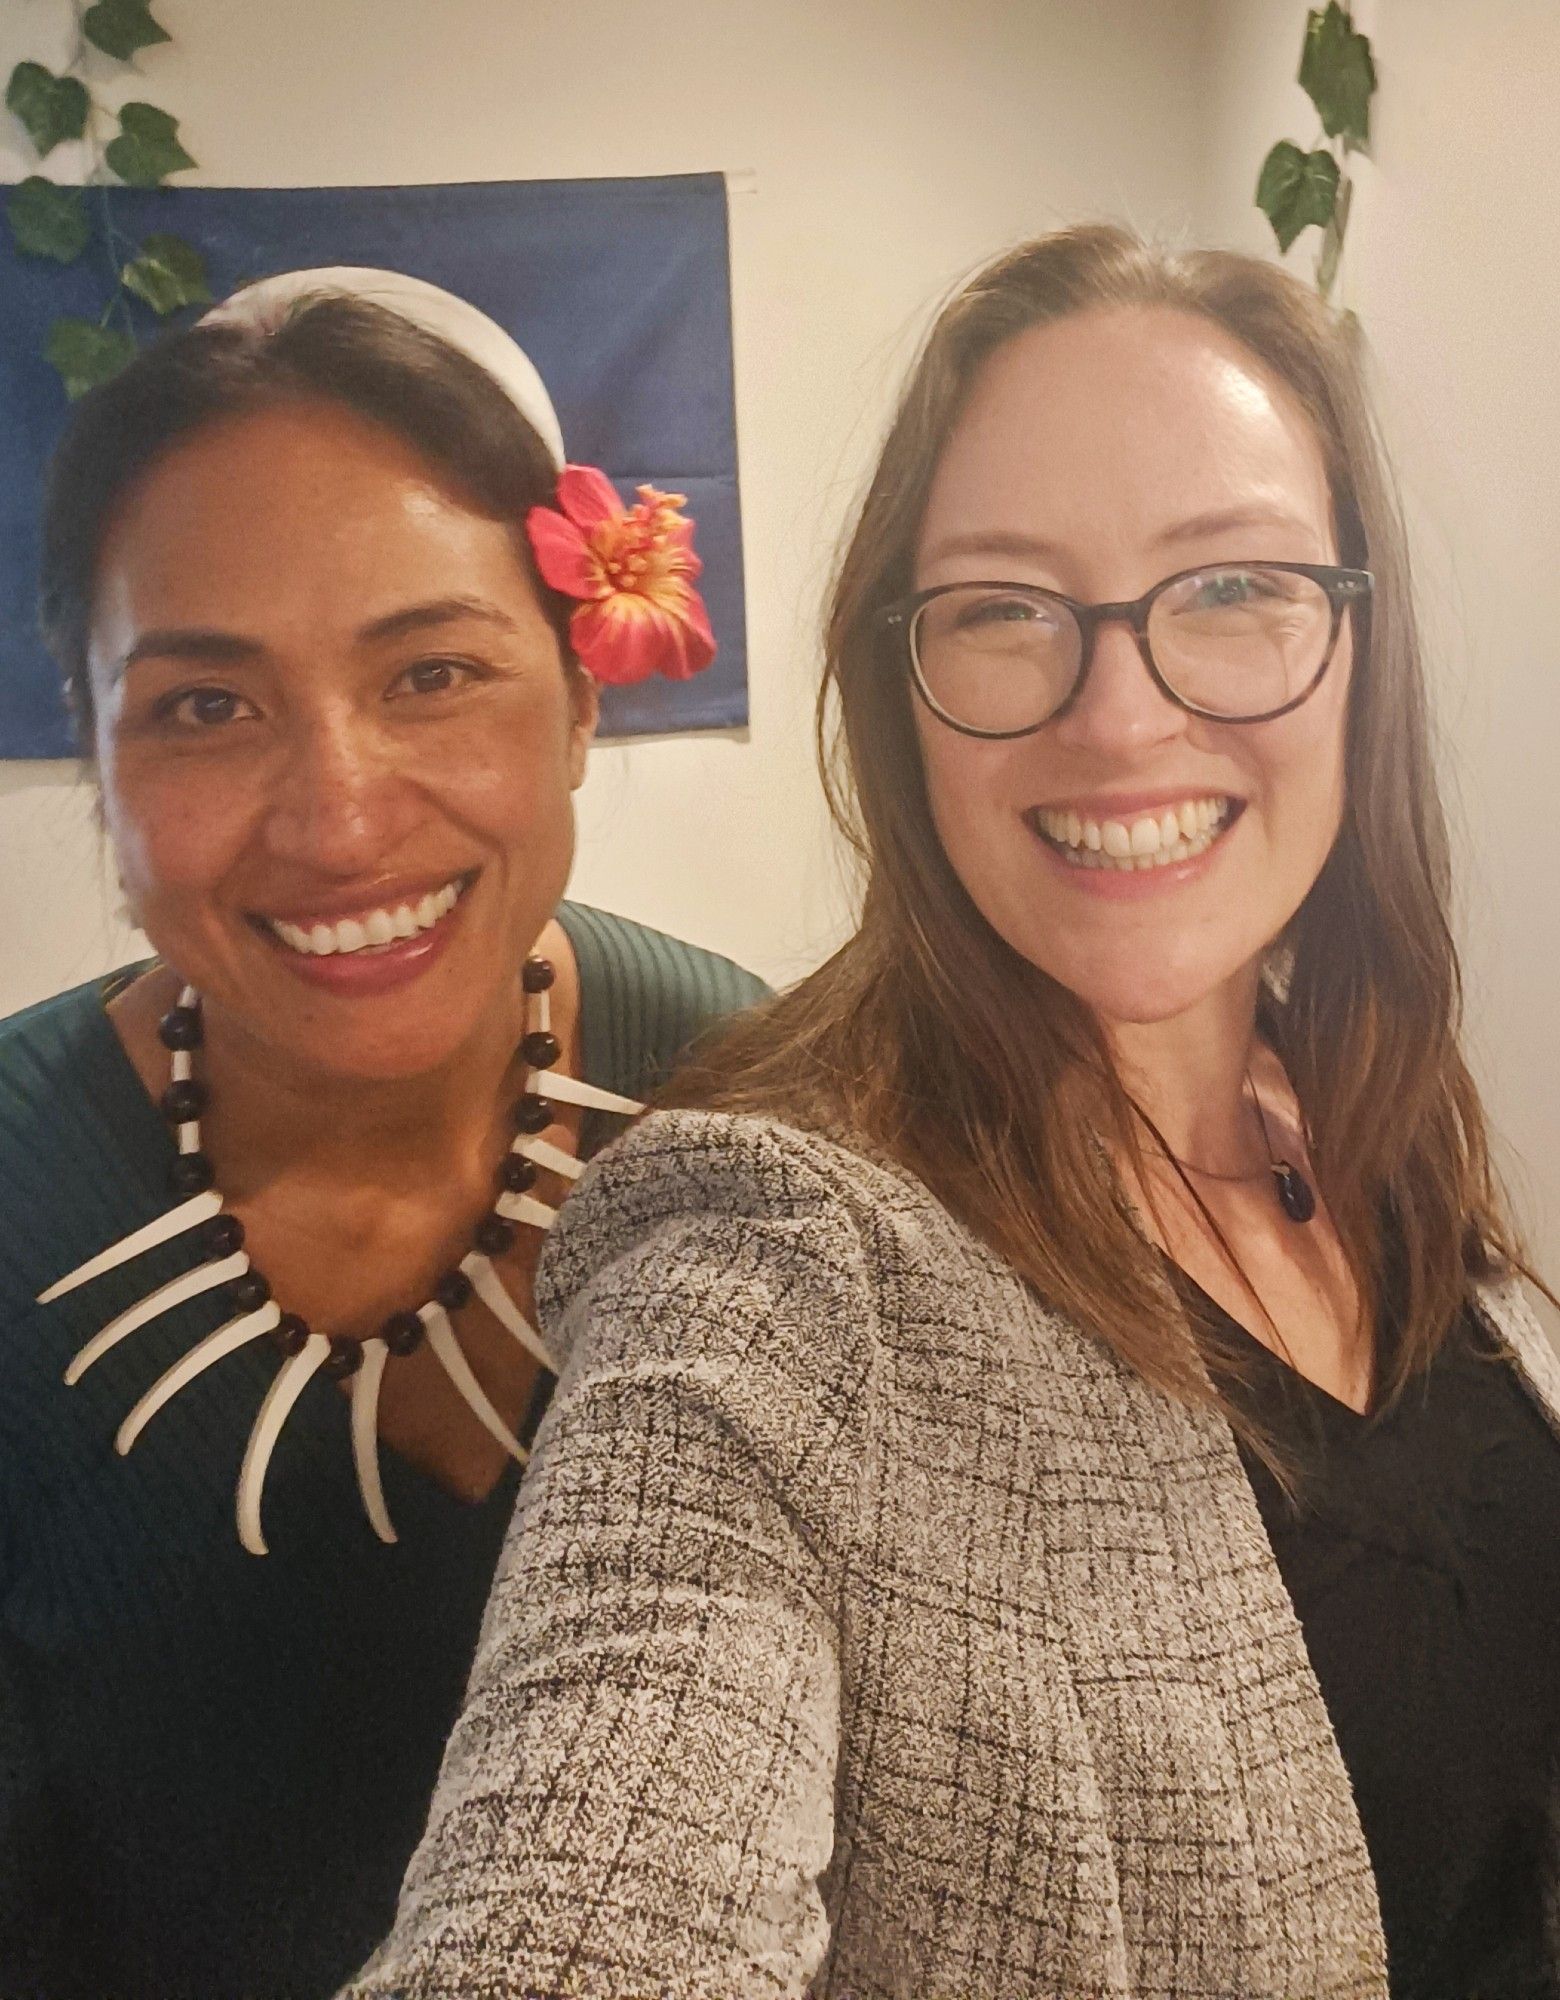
[[213, 1767]]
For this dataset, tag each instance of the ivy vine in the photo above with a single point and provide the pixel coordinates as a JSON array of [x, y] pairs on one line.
[[1299, 190], [136, 146]]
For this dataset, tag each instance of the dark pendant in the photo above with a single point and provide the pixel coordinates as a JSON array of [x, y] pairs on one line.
[[1294, 1192]]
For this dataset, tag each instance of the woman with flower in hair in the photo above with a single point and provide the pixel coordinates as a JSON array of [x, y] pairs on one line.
[[334, 614], [1054, 1487]]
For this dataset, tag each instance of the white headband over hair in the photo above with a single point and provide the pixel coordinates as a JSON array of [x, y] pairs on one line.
[[265, 305]]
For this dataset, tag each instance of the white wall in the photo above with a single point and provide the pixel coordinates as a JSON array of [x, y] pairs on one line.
[[891, 144], [1454, 273]]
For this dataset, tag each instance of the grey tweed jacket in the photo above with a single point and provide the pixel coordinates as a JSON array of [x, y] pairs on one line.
[[866, 1630]]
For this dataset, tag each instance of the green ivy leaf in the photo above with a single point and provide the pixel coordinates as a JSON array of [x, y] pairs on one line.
[[168, 273], [48, 220], [147, 150], [1337, 73], [1332, 239], [120, 27], [84, 354], [1296, 189], [53, 108]]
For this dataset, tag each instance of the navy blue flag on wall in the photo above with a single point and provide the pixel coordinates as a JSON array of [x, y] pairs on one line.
[[619, 290]]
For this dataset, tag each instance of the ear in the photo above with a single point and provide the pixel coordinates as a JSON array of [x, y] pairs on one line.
[[585, 699]]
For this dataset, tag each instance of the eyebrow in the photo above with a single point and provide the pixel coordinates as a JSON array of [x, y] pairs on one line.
[[437, 611], [1035, 548], [212, 645]]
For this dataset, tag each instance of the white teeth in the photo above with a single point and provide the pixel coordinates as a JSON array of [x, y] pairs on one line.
[[372, 927], [1179, 833]]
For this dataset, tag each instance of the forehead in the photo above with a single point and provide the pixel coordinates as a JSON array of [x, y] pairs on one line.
[[302, 514], [1105, 429]]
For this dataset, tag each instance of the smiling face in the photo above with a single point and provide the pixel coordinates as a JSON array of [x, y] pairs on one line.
[[335, 736], [1095, 456]]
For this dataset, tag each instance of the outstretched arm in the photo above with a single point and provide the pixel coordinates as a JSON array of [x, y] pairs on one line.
[[638, 1796]]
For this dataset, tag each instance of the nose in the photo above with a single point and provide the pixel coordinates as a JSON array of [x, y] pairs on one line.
[[341, 804], [1119, 712]]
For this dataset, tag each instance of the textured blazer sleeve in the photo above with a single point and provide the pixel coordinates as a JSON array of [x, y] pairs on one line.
[[638, 1796]]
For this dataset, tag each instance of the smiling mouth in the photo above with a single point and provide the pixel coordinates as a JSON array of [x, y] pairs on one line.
[[370, 930], [1146, 840]]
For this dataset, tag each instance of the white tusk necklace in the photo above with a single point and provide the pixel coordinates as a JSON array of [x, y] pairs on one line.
[[219, 1237]]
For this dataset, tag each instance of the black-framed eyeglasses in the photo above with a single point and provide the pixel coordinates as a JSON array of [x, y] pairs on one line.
[[1232, 642]]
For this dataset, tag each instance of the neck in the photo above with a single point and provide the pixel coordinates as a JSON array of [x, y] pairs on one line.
[[269, 1118], [1188, 1074]]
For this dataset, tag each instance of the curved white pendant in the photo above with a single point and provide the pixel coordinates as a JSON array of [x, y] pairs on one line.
[[365, 1437], [291, 1381], [446, 1348], [162, 1229], [525, 1208], [188, 1285], [571, 1090], [543, 1153], [489, 1287], [226, 1340]]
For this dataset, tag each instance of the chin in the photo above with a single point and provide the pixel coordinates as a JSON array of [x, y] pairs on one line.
[[1134, 997]]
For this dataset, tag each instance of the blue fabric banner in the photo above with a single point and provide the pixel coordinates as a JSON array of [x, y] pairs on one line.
[[619, 290]]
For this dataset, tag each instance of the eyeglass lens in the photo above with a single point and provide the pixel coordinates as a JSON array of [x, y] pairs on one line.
[[1236, 642]]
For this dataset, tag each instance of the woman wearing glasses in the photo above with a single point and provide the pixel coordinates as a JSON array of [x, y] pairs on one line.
[[1054, 1489]]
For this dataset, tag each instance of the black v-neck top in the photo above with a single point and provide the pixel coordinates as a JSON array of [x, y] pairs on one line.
[[1422, 1555], [214, 1767]]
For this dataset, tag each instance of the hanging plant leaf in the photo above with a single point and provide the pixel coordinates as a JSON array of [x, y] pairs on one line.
[[1295, 190], [1337, 73], [53, 108], [147, 150], [168, 273], [120, 27], [48, 220], [1332, 239], [84, 354]]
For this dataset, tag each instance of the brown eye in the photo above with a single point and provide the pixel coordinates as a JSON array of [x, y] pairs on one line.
[[205, 707], [434, 676]]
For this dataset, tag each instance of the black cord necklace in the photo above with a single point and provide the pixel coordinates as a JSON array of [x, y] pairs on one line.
[[1296, 1196]]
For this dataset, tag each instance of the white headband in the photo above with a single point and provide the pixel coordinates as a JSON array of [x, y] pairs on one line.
[[265, 304]]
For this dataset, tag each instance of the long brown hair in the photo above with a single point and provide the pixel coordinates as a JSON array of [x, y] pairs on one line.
[[937, 1044]]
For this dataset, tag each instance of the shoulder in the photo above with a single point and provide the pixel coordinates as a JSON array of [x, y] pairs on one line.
[[50, 1055], [712, 1277], [50, 1029], [66, 1091], [706, 1176], [706, 1209], [647, 997], [1504, 1304]]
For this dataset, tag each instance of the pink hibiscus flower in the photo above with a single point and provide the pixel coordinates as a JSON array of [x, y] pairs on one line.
[[633, 569]]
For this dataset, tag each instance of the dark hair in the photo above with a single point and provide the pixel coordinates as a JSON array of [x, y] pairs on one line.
[[341, 349], [929, 1036]]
